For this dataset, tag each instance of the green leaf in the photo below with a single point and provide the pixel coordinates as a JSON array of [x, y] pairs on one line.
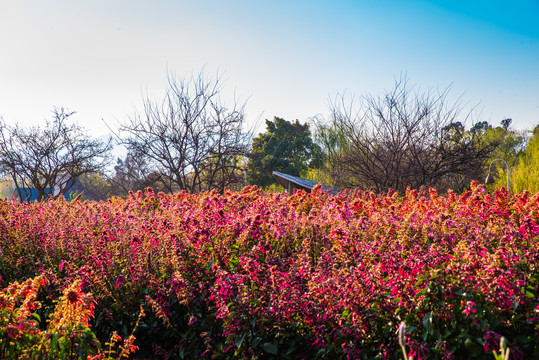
[[471, 346], [270, 348], [36, 315], [83, 353], [239, 341], [427, 322], [320, 353], [233, 262], [54, 342], [256, 341], [291, 350]]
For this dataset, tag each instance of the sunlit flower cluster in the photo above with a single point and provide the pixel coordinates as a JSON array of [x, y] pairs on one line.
[[250, 274]]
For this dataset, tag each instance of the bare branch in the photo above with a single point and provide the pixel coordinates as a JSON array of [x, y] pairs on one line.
[[189, 138], [403, 138], [49, 159]]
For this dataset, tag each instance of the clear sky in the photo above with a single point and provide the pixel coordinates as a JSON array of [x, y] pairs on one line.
[[286, 58]]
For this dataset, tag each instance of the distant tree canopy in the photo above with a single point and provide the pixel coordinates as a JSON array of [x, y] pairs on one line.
[[133, 174], [286, 147], [403, 138], [511, 145], [190, 140]]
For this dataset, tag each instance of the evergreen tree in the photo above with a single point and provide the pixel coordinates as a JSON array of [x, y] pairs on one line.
[[285, 147]]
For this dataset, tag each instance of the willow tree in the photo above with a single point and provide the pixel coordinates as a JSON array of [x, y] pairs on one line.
[[525, 174]]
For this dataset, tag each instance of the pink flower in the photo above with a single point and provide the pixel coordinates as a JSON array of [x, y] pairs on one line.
[[120, 280], [468, 308]]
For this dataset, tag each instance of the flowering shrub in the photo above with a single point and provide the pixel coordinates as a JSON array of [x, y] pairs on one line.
[[256, 275], [18, 330], [68, 334]]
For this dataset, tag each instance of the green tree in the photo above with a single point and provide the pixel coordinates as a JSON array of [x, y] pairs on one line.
[[333, 143], [286, 147], [510, 148], [511, 143], [525, 175]]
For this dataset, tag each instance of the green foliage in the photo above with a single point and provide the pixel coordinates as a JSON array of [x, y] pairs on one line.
[[96, 187], [510, 145], [286, 147], [525, 175], [333, 144], [504, 350]]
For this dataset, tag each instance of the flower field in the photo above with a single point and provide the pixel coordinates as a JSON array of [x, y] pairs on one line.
[[261, 276]]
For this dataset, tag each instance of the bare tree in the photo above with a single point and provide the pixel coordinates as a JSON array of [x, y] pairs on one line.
[[189, 138], [134, 173], [49, 159], [404, 138]]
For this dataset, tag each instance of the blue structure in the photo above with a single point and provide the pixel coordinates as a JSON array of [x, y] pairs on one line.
[[30, 194]]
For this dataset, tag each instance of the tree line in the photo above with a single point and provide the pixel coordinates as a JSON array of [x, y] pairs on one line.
[[190, 139]]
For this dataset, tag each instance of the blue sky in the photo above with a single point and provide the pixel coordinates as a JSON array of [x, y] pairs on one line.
[[286, 58]]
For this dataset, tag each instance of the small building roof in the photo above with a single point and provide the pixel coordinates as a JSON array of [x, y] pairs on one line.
[[290, 182]]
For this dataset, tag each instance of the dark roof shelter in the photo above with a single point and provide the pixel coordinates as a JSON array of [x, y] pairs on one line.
[[290, 182]]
